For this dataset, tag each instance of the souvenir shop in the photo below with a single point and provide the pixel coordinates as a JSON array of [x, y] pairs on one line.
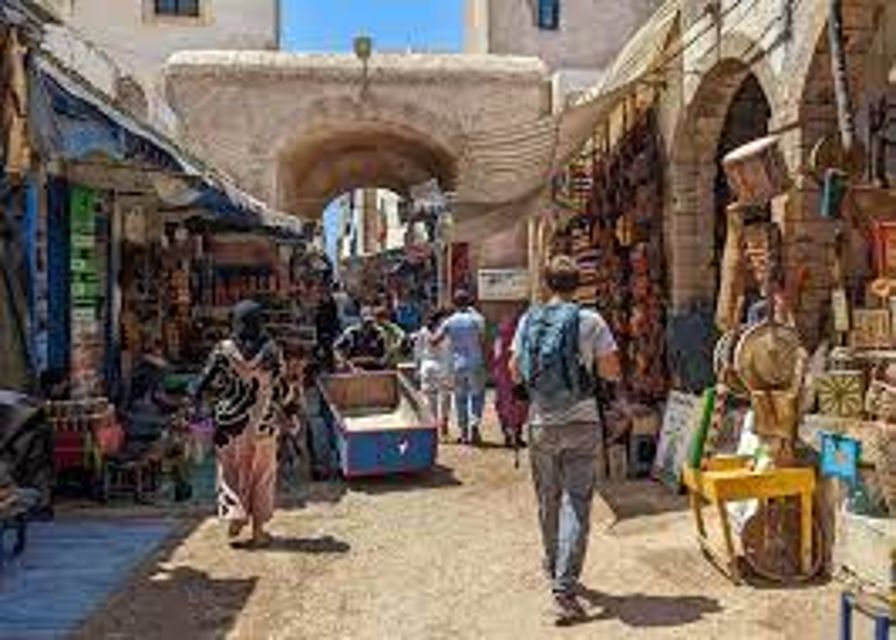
[[134, 251]]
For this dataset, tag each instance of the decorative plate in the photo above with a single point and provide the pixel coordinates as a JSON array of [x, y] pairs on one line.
[[841, 393]]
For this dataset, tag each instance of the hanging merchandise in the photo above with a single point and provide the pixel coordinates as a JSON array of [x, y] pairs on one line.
[[616, 239]]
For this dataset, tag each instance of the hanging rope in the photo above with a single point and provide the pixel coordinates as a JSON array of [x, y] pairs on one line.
[[845, 118]]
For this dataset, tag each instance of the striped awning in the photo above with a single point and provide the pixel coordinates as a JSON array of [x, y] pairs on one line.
[[642, 58]]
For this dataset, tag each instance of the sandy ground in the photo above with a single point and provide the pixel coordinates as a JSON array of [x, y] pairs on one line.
[[451, 555]]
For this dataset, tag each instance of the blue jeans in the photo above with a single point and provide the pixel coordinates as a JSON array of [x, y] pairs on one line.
[[469, 399], [563, 459]]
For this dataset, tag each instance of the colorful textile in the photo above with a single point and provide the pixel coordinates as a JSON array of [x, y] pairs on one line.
[[249, 397], [512, 412]]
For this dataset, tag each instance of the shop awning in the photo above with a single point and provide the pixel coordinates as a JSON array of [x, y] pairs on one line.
[[76, 123], [642, 55], [642, 58], [26, 14]]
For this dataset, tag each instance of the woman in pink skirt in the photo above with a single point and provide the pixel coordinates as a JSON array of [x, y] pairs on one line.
[[512, 412], [245, 376]]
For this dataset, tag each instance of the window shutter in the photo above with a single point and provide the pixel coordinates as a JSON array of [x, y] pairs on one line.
[[549, 15]]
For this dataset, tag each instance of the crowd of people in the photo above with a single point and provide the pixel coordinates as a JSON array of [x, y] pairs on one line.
[[546, 366]]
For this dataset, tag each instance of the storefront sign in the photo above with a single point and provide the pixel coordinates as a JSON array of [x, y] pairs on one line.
[[503, 284]]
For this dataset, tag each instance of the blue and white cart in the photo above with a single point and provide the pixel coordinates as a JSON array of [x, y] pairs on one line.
[[380, 422]]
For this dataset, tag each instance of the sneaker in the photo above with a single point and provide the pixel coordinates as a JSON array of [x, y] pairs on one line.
[[567, 610]]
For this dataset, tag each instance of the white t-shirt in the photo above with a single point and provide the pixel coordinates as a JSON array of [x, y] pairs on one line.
[[433, 361], [595, 341]]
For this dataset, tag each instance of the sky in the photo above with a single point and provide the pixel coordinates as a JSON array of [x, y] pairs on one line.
[[394, 25]]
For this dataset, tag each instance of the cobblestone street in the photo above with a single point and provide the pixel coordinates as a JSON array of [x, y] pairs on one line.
[[454, 555]]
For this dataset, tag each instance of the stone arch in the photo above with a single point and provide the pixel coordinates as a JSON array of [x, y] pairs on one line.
[[339, 150], [694, 171]]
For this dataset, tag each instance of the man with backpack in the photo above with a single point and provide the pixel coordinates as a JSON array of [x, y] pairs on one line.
[[558, 352]]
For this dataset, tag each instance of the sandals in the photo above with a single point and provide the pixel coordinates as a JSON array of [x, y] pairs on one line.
[[235, 528]]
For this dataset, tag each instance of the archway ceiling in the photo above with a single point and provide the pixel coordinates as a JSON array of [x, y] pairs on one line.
[[321, 166]]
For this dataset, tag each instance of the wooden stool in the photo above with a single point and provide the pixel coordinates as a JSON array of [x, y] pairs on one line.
[[875, 608], [138, 478], [731, 480]]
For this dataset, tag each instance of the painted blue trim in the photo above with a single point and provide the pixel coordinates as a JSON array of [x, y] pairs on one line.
[[30, 225], [58, 278]]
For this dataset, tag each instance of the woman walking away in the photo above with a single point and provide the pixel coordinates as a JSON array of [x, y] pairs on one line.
[[245, 377], [512, 411], [434, 370]]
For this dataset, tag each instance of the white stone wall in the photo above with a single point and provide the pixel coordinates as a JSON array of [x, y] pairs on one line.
[[591, 31], [141, 42]]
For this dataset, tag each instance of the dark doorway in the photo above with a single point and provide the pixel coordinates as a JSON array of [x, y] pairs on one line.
[[747, 119]]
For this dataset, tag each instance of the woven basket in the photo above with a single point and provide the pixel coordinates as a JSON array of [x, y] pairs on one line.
[[886, 463]]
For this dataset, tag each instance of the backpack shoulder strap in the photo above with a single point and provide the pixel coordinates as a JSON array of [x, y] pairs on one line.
[[570, 318]]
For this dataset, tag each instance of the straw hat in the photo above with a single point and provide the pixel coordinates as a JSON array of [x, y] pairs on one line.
[[767, 356]]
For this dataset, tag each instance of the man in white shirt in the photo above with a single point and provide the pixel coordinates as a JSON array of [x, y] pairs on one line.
[[557, 349], [465, 328]]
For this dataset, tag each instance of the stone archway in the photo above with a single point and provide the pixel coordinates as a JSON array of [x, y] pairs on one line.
[[322, 162], [295, 129], [700, 138]]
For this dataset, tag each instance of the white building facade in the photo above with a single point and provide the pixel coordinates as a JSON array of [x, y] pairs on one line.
[[138, 36], [576, 39]]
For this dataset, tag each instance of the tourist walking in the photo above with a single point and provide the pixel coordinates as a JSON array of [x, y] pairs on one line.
[[558, 350], [465, 329], [434, 370], [245, 378]]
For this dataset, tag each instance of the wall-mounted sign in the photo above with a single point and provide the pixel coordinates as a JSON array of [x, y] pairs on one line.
[[503, 284]]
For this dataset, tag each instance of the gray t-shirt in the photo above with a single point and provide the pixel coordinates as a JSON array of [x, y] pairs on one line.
[[595, 341]]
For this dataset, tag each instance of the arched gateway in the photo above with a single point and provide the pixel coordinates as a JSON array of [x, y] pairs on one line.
[[298, 129]]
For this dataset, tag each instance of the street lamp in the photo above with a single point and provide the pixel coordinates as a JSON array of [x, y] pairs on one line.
[[363, 47]]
